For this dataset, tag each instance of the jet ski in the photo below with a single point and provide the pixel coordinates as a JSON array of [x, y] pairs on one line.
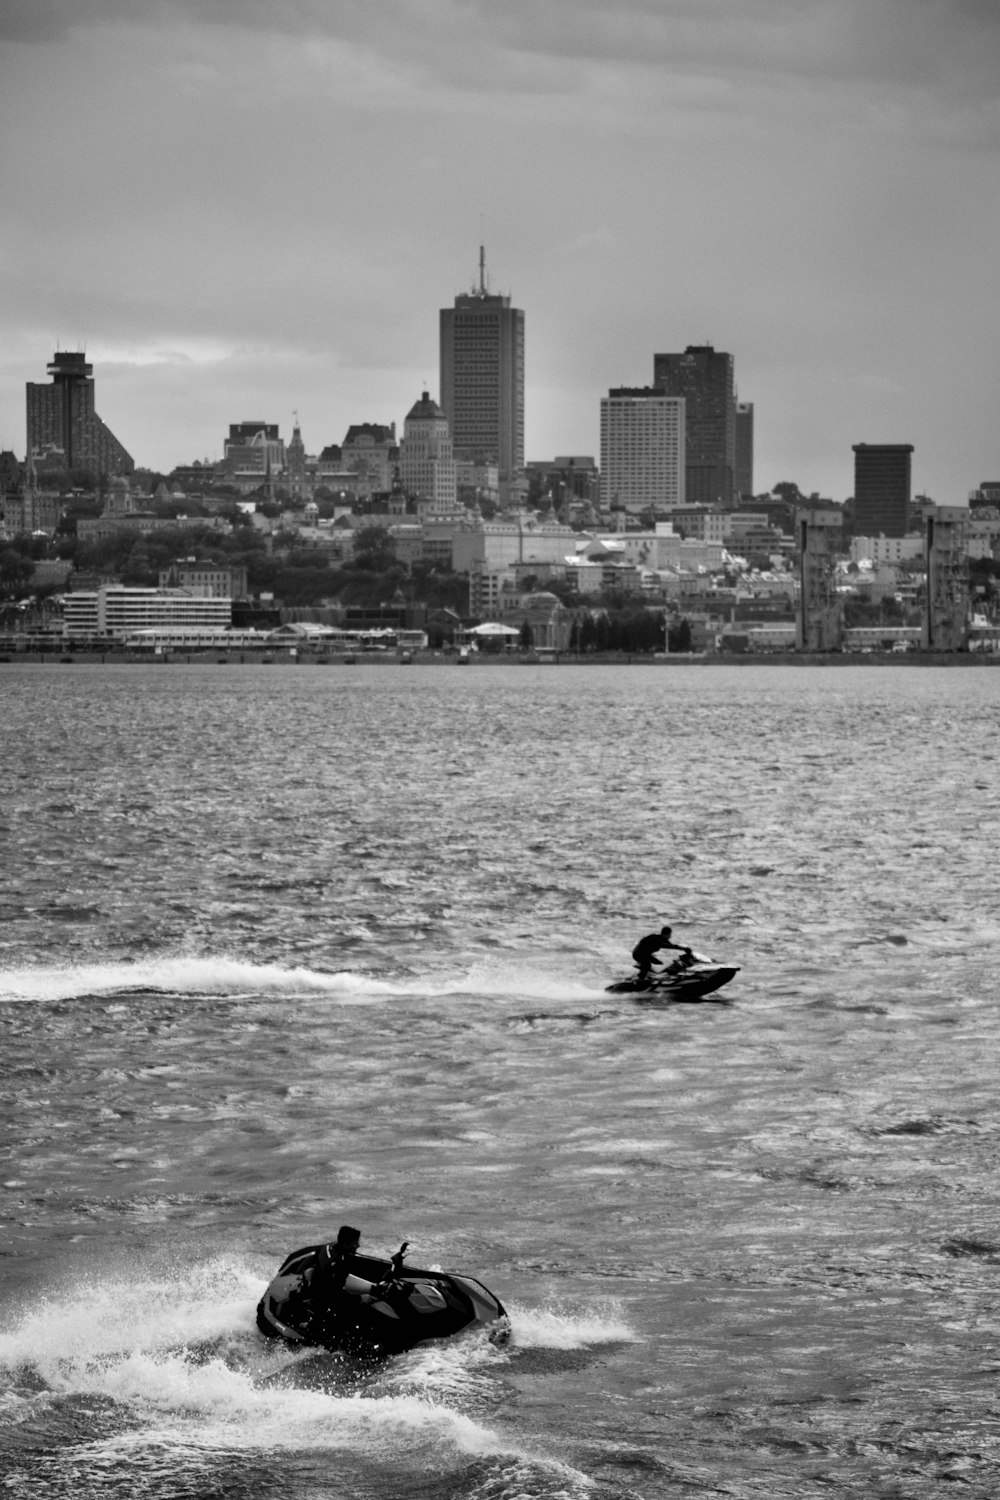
[[692, 982], [383, 1309]]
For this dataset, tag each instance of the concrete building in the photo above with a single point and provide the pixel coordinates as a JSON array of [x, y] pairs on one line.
[[370, 452], [426, 462], [113, 611], [704, 377], [61, 418], [642, 451], [495, 546], [476, 482], [253, 455], [206, 580], [882, 488], [946, 619], [566, 477], [138, 523], [482, 380], [744, 450], [820, 619], [886, 549]]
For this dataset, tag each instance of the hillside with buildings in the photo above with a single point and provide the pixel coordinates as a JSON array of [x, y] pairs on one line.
[[660, 542]]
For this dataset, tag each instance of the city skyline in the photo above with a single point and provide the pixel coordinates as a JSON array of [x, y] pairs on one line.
[[263, 213]]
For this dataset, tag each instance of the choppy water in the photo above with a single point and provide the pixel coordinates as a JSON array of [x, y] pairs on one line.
[[280, 948]]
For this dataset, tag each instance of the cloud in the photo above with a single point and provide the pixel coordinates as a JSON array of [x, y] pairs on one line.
[[299, 185]]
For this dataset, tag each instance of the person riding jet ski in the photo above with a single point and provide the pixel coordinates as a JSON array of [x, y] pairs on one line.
[[338, 1298], [325, 1292], [645, 949]]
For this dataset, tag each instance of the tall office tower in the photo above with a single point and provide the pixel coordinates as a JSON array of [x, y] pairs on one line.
[[482, 379], [642, 450], [705, 379], [946, 620], [881, 488], [61, 417], [426, 464], [744, 450], [820, 617]]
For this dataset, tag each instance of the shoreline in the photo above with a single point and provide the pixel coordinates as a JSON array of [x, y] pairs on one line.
[[215, 657]]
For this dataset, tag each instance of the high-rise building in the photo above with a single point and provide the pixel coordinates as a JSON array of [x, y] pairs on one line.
[[642, 450], [744, 450], [426, 464], [704, 377], [881, 488], [61, 420], [482, 380]]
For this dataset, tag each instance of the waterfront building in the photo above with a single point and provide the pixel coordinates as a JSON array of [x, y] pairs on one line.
[[946, 618], [642, 451], [114, 611], [426, 464], [820, 619], [61, 420], [482, 381], [882, 488], [704, 377]]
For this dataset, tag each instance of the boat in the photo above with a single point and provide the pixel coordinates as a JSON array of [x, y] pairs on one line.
[[384, 1309], [693, 982]]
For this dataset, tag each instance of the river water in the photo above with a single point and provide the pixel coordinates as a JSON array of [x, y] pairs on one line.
[[285, 948]]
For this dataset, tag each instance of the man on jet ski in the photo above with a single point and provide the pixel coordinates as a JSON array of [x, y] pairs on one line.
[[330, 1273], [646, 947]]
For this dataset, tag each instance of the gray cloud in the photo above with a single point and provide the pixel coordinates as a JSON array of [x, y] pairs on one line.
[[255, 205]]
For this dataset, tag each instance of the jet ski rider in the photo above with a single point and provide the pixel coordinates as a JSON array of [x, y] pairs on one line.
[[646, 947], [330, 1273]]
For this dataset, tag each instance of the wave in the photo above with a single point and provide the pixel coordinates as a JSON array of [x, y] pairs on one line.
[[226, 976], [177, 1356], [556, 1328], [183, 1350]]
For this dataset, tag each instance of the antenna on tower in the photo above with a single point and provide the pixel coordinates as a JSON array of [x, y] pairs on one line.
[[482, 270]]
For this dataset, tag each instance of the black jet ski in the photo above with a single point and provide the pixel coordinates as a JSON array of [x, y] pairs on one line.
[[383, 1309], [692, 982]]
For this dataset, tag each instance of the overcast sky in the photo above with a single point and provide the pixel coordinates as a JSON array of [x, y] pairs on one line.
[[244, 208]]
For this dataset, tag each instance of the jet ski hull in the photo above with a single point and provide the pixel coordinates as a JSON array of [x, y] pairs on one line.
[[379, 1313], [689, 984]]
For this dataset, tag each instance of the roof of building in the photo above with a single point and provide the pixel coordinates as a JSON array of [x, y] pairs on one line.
[[425, 408], [378, 432]]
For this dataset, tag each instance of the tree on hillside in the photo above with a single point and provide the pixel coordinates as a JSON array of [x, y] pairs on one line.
[[374, 549]]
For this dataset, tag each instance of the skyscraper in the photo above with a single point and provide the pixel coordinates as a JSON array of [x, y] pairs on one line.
[[482, 379], [743, 481], [642, 450], [704, 377], [881, 488], [61, 417]]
